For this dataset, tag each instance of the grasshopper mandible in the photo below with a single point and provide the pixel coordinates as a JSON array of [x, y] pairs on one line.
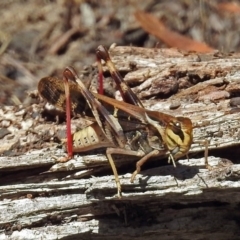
[[142, 133]]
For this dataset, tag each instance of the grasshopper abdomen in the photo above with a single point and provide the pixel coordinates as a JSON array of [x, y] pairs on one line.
[[90, 138]]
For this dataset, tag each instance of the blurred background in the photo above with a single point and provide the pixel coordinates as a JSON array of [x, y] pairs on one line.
[[40, 38]]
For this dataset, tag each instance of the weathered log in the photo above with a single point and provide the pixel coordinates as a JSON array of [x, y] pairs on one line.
[[40, 199]]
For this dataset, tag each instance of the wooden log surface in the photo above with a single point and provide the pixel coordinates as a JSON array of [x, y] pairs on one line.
[[42, 199]]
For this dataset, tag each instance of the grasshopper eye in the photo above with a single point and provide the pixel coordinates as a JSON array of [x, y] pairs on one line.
[[177, 124], [176, 128]]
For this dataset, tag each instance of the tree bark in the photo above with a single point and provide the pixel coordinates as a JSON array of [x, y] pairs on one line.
[[42, 199]]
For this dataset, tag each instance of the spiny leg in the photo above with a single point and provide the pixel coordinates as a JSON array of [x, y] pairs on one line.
[[101, 114], [68, 117], [206, 154], [68, 123], [205, 143], [126, 92]]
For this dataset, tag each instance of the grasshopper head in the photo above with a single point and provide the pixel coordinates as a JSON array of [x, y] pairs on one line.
[[178, 136]]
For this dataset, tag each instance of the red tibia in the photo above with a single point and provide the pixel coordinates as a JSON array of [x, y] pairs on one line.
[[100, 77], [68, 119]]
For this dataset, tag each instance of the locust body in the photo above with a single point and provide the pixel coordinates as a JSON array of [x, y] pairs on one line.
[[141, 132]]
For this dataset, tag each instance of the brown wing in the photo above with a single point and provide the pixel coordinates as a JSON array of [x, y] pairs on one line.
[[52, 90], [133, 110]]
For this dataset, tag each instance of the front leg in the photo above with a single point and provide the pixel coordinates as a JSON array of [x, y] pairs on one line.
[[142, 161]]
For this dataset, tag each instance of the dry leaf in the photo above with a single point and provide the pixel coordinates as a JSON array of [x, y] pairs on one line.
[[154, 26], [229, 7]]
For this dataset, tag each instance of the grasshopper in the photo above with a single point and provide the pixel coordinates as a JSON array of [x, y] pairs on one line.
[[136, 131]]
